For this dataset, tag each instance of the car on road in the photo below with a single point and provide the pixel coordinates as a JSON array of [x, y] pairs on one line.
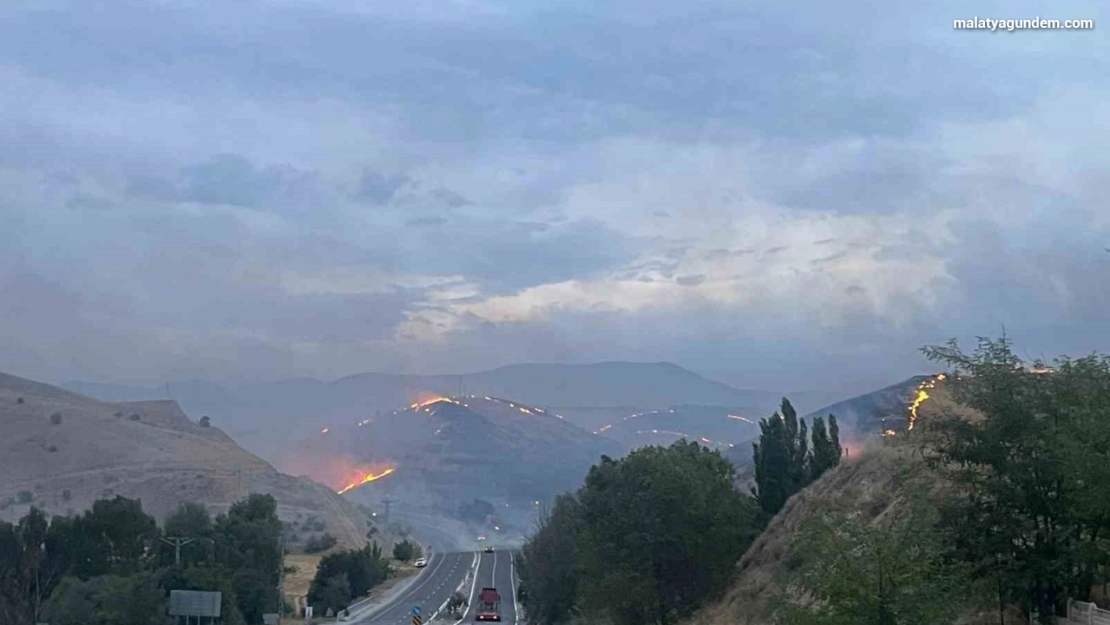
[[420, 563], [488, 549]]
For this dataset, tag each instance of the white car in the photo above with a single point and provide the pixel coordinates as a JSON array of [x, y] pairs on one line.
[[420, 563]]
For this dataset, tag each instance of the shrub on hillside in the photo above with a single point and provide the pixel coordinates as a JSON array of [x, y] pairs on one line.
[[316, 544], [56, 418], [404, 551]]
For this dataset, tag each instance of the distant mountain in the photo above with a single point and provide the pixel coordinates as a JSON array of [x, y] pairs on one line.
[[60, 451], [442, 453], [265, 417]]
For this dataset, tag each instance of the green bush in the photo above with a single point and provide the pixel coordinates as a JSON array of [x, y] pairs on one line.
[[316, 544]]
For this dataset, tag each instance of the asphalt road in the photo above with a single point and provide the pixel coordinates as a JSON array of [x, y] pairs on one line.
[[446, 572], [496, 570]]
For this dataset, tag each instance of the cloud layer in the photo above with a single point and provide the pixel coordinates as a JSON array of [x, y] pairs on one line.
[[793, 197]]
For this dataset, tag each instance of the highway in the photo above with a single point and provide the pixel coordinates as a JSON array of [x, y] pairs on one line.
[[446, 572]]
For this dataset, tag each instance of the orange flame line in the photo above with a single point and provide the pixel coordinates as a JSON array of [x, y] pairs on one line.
[[369, 478]]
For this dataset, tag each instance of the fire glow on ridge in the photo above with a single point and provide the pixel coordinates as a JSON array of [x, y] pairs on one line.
[[369, 478]]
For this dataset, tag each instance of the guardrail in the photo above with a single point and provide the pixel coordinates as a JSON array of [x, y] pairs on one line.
[[1083, 613]]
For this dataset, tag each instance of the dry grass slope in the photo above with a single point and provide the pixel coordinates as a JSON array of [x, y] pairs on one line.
[[61, 451], [871, 482]]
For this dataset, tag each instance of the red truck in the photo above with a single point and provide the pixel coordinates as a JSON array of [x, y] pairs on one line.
[[489, 605]]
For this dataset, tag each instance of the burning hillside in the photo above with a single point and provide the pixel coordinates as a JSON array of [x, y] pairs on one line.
[[717, 427], [366, 479], [439, 450]]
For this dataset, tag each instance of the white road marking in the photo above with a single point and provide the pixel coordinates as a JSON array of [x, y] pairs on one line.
[[512, 578], [469, 602], [493, 577]]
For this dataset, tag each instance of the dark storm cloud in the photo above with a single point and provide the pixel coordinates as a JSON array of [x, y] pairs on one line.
[[261, 188]]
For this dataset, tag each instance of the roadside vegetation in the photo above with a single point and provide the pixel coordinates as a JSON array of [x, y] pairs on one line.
[[346, 575], [109, 566], [645, 540], [997, 508]]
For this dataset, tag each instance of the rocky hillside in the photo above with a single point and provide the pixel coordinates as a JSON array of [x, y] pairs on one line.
[[61, 451]]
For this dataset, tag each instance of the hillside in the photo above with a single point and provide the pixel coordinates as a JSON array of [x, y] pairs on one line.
[[717, 427], [446, 452], [869, 482], [61, 451], [872, 413], [264, 417]]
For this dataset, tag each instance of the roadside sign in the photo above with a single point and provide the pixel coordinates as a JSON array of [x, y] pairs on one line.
[[416, 619], [194, 603], [415, 610]]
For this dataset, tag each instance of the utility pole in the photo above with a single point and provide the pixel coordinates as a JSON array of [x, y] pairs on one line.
[[177, 542], [387, 501], [281, 581]]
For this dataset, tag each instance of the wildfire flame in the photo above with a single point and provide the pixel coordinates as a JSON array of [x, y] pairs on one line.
[[431, 400], [369, 478], [922, 395]]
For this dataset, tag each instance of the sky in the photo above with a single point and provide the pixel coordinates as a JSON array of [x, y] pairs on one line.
[[792, 195]]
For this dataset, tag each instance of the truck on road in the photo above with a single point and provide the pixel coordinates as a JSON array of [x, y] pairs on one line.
[[489, 605]]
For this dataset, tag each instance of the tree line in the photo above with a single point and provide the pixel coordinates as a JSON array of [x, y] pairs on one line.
[[1032, 477], [785, 463], [1006, 507], [110, 566], [650, 537]]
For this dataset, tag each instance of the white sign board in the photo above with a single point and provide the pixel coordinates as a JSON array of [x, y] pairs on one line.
[[195, 603]]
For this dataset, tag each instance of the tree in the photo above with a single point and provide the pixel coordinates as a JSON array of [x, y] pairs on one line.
[[890, 570], [661, 530], [403, 551], [784, 461], [781, 459], [108, 600], [114, 537], [361, 568], [548, 564], [190, 521], [248, 543], [1032, 512], [33, 559], [205, 421], [335, 593], [826, 447]]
